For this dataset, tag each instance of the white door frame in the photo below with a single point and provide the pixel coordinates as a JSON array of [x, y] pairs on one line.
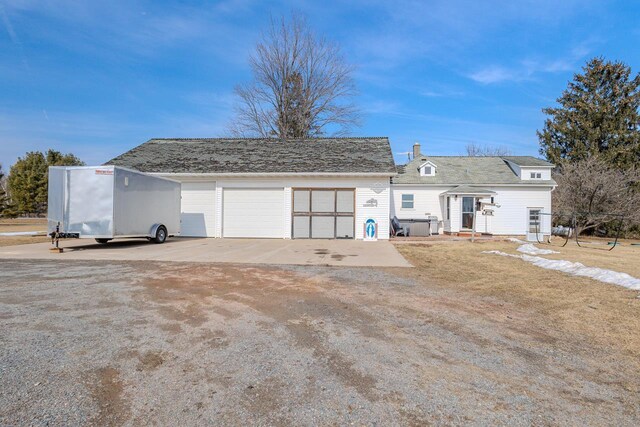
[[531, 235], [462, 212]]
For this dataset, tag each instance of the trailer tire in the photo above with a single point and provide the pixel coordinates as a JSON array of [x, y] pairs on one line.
[[161, 235], [102, 241]]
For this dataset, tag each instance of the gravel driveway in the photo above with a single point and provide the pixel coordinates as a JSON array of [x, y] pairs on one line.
[[141, 343]]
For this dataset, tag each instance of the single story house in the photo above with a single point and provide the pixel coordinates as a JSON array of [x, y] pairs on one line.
[[265, 188], [506, 195], [330, 187]]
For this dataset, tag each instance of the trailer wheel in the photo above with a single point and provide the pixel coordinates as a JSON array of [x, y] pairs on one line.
[[102, 241], [161, 234]]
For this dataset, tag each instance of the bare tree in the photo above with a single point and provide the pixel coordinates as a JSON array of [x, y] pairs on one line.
[[477, 150], [597, 193], [302, 86]]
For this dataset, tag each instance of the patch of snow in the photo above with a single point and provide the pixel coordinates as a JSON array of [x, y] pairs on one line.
[[578, 269], [514, 239], [531, 249], [22, 233]]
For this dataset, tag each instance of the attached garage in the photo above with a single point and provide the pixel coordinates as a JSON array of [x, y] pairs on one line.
[[198, 210], [322, 188], [253, 212]]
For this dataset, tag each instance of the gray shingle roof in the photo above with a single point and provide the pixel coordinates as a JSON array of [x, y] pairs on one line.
[[218, 155], [527, 161], [469, 189], [458, 170]]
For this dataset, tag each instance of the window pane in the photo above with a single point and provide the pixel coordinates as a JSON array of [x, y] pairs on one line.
[[301, 200], [322, 201], [467, 204], [407, 201], [533, 174], [322, 227], [344, 201], [467, 221], [534, 221], [448, 207], [427, 170], [300, 227], [344, 227]]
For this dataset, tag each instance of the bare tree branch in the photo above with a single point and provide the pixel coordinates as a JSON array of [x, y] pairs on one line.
[[302, 86], [597, 193], [477, 150]]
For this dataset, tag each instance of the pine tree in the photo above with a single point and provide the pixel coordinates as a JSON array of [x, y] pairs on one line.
[[598, 114], [27, 183], [3, 193], [28, 179]]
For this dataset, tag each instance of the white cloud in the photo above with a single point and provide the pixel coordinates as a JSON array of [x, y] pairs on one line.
[[495, 74], [533, 65]]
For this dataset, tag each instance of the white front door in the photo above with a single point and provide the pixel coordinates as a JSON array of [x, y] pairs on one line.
[[198, 209], [534, 225], [468, 213], [253, 212]]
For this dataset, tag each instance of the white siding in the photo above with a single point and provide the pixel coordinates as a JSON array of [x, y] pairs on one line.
[[198, 209], [456, 214], [364, 193], [508, 219], [511, 216], [426, 201]]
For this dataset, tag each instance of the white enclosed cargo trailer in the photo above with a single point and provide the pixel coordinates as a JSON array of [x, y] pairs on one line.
[[107, 202]]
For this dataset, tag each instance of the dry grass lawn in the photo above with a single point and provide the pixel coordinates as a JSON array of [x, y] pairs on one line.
[[624, 257], [22, 224], [606, 315]]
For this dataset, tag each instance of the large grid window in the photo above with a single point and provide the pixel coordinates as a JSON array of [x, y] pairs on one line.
[[323, 213]]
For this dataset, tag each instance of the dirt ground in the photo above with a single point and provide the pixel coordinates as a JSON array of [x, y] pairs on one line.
[[22, 224], [471, 340]]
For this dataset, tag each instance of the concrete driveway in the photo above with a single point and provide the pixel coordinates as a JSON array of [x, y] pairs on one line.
[[352, 253]]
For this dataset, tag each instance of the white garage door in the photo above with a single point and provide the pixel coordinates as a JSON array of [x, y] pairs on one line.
[[198, 209], [253, 212]]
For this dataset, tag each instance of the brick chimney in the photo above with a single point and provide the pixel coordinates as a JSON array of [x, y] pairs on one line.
[[416, 150]]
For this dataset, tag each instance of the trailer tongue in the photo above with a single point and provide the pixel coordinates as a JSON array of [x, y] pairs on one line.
[[109, 202]]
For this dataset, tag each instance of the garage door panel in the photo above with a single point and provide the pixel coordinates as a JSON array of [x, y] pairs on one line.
[[198, 209], [344, 227], [253, 212], [323, 227], [323, 213], [301, 227]]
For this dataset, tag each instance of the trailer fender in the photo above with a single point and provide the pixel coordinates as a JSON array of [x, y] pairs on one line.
[[154, 230]]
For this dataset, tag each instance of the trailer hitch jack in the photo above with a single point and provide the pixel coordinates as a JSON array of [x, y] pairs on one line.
[[55, 240]]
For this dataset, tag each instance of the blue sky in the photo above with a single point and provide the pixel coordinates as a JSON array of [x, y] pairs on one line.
[[97, 78]]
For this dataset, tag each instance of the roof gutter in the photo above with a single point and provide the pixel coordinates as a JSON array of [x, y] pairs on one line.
[[398, 184], [276, 174]]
